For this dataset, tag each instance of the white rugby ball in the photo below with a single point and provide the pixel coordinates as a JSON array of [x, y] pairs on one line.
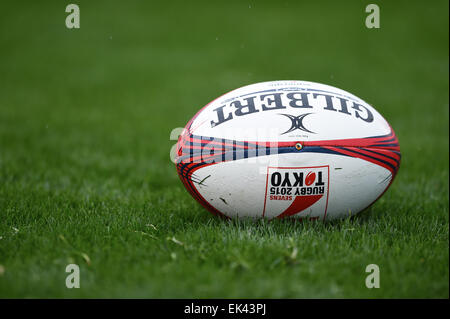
[[287, 149]]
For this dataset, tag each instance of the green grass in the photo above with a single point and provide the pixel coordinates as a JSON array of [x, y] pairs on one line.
[[85, 118]]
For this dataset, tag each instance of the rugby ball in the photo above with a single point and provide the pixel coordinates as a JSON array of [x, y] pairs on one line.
[[287, 149]]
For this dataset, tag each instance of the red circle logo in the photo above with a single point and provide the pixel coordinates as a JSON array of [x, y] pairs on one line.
[[310, 178]]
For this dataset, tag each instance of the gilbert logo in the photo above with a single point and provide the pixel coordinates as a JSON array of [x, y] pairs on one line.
[[296, 190], [299, 100], [297, 123]]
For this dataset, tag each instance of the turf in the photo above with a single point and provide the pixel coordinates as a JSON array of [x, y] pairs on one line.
[[85, 173]]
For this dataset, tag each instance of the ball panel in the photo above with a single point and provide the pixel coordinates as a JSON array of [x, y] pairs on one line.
[[242, 189]]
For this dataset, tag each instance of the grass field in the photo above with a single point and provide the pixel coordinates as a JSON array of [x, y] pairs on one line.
[[85, 174]]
